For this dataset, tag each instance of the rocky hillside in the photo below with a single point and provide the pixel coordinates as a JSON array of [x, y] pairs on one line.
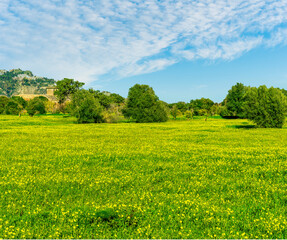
[[17, 81]]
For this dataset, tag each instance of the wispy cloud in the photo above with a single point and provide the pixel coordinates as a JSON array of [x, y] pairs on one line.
[[89, 39]]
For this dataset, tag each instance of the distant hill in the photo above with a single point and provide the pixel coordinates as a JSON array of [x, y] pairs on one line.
[[17, 81]]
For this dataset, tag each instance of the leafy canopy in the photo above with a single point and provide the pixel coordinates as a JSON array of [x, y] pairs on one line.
[[86, 108], [201, 106], [267, 107], [12, 107], [235, 100], [144, 106], [3, 103], [67, 87], [36, 105]]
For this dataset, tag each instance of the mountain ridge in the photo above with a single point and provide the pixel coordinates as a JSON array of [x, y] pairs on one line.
[[17, 81]]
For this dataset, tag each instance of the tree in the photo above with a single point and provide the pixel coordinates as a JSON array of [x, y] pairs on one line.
[[36, 105], [201, 106], [188, 114], [175, 111], [234, 100], [51, 107], [86, 108], [12, 107], [106, 99], [116, 98], [215, 109], [20, 100], [67, 87], [144, 106], [284, 91], [182, 106], [267, 107], [3, 103]]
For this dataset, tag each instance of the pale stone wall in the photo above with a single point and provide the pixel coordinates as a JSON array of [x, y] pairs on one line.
[[50, 91]]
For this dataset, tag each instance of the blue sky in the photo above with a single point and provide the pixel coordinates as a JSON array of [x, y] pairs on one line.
[[184, 49]]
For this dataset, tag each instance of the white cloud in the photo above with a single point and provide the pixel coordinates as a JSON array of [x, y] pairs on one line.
[[88, 39]]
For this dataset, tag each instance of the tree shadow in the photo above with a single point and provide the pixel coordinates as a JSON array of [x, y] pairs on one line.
[[249, 126]]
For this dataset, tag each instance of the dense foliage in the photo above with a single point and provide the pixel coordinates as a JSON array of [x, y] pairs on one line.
[[3, 103], [21, 101], [175, 112], [16, 81], [86, 108], [36, 105], [66, 88], [267, 107], [106, 99], [144, 106], [234, 101], [12, 107], [201, 106]]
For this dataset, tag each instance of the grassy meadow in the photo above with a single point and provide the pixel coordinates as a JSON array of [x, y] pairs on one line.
[[179, 179]]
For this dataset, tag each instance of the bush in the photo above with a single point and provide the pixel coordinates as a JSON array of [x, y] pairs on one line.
[[267, 107], [113, 114], [36, 105], [86, 108], [12, 108], [20, 100], [51, 107], [175, 112], [188, 114], [3, 103]]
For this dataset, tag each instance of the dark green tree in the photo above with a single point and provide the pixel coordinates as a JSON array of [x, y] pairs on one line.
[[12, 107], [116, 98], [20, 100], [267, 107], [182, 106], [234, 100], [34, 106], [66, 88], [102, 97], [3, 103], [106, 99], [284, 91], [201, 106], [86, 108], [144, 106]]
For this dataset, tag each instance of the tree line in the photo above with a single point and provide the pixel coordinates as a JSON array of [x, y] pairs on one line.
[[266, 107]]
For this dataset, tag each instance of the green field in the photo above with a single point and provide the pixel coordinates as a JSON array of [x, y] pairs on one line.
[[180, 179]]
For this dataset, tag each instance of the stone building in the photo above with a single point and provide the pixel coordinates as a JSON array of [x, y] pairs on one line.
[[50, 91]]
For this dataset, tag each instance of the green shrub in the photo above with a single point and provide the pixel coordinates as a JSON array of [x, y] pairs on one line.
[[86, 108], [3, 103], [20, 100], [188, 114], [34, 106], [12, 108]]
